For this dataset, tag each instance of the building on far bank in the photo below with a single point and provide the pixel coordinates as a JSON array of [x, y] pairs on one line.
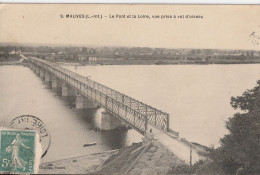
[[92, 59], [87, 58], [82, 58], [13, 52]]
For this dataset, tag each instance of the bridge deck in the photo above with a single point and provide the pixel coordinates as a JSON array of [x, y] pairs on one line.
[[127, 109], [137, 114]]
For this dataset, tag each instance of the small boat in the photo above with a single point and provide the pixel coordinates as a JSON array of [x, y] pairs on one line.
[[89, 144]]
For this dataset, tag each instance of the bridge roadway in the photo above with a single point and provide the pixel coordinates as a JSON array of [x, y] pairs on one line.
[[138, 115], [135, 113]]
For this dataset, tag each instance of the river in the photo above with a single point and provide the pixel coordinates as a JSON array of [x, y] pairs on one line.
[[22, 92], [197, 98]]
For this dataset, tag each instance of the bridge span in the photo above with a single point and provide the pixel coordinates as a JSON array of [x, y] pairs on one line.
[[134, 113]]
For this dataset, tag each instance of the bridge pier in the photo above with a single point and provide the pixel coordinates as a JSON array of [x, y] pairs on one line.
[[42, 73], [47, 77], [84, 103], [67, 91], [109, 122], [37, 70], [56, 83], [33, 67], [30, 66]]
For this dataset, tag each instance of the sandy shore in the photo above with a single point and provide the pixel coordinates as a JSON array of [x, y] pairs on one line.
[[76, 165], [157, 159]]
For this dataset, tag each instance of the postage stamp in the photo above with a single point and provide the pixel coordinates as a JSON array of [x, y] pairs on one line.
[[19, 151], [29, 122]]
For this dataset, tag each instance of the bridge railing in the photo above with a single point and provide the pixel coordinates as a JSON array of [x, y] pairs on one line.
[[137, 111]]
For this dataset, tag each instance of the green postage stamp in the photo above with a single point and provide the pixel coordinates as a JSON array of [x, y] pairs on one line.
[[19, 152]]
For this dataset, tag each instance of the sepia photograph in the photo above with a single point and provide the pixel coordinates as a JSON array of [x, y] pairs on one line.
[[140, 89]]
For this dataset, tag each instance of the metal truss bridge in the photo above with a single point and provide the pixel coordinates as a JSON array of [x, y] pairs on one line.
[[133, 112]]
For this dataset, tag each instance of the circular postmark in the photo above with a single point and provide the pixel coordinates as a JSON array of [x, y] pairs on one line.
[[29, 122]]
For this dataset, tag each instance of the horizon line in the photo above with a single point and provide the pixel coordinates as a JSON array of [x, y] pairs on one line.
[[124, 46]]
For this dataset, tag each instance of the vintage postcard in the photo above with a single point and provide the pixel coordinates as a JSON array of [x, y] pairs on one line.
[[130, 89]]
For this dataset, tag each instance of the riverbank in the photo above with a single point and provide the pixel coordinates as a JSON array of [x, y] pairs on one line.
[[3, 63], [108, 162], [76, 165], [156, 62], [150, 158]]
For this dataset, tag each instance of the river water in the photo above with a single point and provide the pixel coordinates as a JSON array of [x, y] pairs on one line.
[[23, 93], [197, 98]]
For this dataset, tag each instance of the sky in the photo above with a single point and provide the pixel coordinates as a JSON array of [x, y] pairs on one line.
[[222, 26]]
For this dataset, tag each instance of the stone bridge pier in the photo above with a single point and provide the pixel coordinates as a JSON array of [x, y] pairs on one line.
[[42, 73], [109, 122], [47, 77], [56, 83], [37, 70], [33, 67], [67, 91], [84, 103], [30, 65]]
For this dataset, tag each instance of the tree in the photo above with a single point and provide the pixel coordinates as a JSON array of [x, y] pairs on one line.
[[246, 101], [198, 51], [193, 52], [84, 50], [241, 147]]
